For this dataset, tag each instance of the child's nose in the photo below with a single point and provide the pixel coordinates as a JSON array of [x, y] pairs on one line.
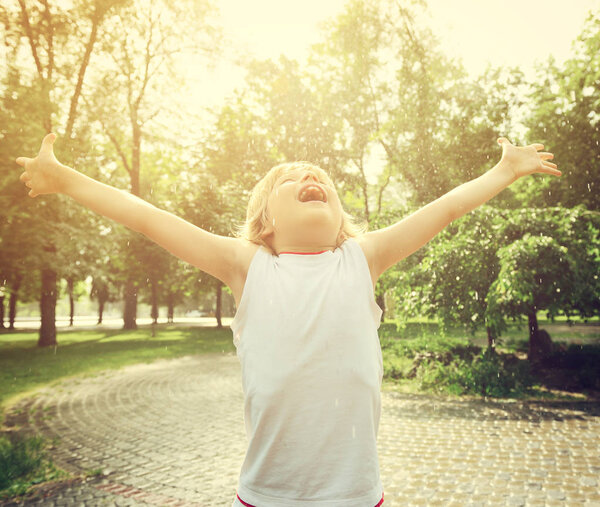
[[310, 175]]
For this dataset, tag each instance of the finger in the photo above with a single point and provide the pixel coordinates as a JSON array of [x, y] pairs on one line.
[[24, 176], [22, 161], [537, 146], [546, 155], [503, 140], [550, 164], [551, 170], [48, 141], [32, 194], [28, 184]]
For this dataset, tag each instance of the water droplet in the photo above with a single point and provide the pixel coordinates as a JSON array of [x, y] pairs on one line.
[[589, 189]]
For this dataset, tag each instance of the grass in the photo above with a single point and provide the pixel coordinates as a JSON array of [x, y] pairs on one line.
[[24, 367], [421, 359], [24, 463]]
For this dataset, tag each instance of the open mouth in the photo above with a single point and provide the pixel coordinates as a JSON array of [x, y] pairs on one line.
[[312, 192]]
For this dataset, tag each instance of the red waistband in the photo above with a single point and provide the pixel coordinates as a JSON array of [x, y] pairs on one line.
[[250, 505]]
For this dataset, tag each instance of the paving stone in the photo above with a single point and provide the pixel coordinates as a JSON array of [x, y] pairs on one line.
[[172, 433]]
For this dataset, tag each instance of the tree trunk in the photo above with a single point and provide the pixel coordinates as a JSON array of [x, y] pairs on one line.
[[170, 308], [12, 302], [102, 295], [154, 311], [1, 312], [218, 311], [136, 149], [100, 309], [491, 338], [380, 298], [71, 301], [533, 324], [130, 310], [48, 309]]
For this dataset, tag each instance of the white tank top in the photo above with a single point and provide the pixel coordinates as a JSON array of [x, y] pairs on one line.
[[306, 337]]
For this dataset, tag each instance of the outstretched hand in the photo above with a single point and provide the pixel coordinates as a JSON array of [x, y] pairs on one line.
[[41, 173], [524, 160]]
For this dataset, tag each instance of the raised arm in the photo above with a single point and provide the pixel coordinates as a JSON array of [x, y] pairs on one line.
[[385, 247], [214, 254]]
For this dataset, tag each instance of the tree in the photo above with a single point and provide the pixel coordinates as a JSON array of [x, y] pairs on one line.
[[56, 50], [565, 117], [142, 45], [492, 264]]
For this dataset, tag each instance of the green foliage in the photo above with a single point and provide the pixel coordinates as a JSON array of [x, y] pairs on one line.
[[583, 360], [23, 463], [488, 375], [449, 365], [492, 264], [563, 115]]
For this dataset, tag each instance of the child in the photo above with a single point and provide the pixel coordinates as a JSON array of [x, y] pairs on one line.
[[302, 275]]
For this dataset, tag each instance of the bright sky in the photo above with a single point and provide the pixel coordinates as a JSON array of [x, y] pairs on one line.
[[510, 32]]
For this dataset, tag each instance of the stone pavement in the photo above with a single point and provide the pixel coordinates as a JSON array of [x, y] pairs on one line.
[[172, 433]]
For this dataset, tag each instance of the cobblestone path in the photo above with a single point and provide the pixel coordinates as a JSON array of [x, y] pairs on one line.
[[172, 433]]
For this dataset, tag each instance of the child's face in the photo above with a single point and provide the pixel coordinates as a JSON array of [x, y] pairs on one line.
[[301, 216]]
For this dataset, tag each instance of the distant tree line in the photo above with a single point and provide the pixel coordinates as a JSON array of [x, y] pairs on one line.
[[107, 77]]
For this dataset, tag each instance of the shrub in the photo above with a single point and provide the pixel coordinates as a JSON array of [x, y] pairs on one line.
[[486, 375], [23, 462]]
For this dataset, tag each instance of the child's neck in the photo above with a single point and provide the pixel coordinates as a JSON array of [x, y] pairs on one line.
[[303, 249]]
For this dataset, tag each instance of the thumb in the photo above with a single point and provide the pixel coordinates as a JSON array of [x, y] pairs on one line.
[[48, 141], [22, 161], [502, 140]]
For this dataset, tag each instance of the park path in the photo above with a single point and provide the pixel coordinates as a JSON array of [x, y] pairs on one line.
[[172, 433]]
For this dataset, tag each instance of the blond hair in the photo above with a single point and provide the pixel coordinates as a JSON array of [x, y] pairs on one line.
[[256, 213]]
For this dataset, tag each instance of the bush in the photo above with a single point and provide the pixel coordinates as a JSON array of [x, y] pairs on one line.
[[486, 375], [23, 462], [583, 360], [446, 364]]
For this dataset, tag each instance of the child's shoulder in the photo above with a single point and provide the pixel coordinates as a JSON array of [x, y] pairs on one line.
[[245, 250]]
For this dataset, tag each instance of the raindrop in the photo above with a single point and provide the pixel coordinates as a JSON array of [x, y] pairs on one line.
[[458, 277], [557, 289], [589, 189]]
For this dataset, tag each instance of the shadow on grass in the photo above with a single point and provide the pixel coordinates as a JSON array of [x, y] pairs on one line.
[[25, 367]]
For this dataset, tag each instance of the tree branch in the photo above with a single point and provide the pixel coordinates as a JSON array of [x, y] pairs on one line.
[[96, 18], [32, 44]]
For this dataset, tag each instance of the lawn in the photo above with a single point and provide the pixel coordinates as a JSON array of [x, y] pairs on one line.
[[24, 367]]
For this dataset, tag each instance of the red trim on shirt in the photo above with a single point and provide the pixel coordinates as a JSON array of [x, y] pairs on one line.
[[248, 505], [304, 253]]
